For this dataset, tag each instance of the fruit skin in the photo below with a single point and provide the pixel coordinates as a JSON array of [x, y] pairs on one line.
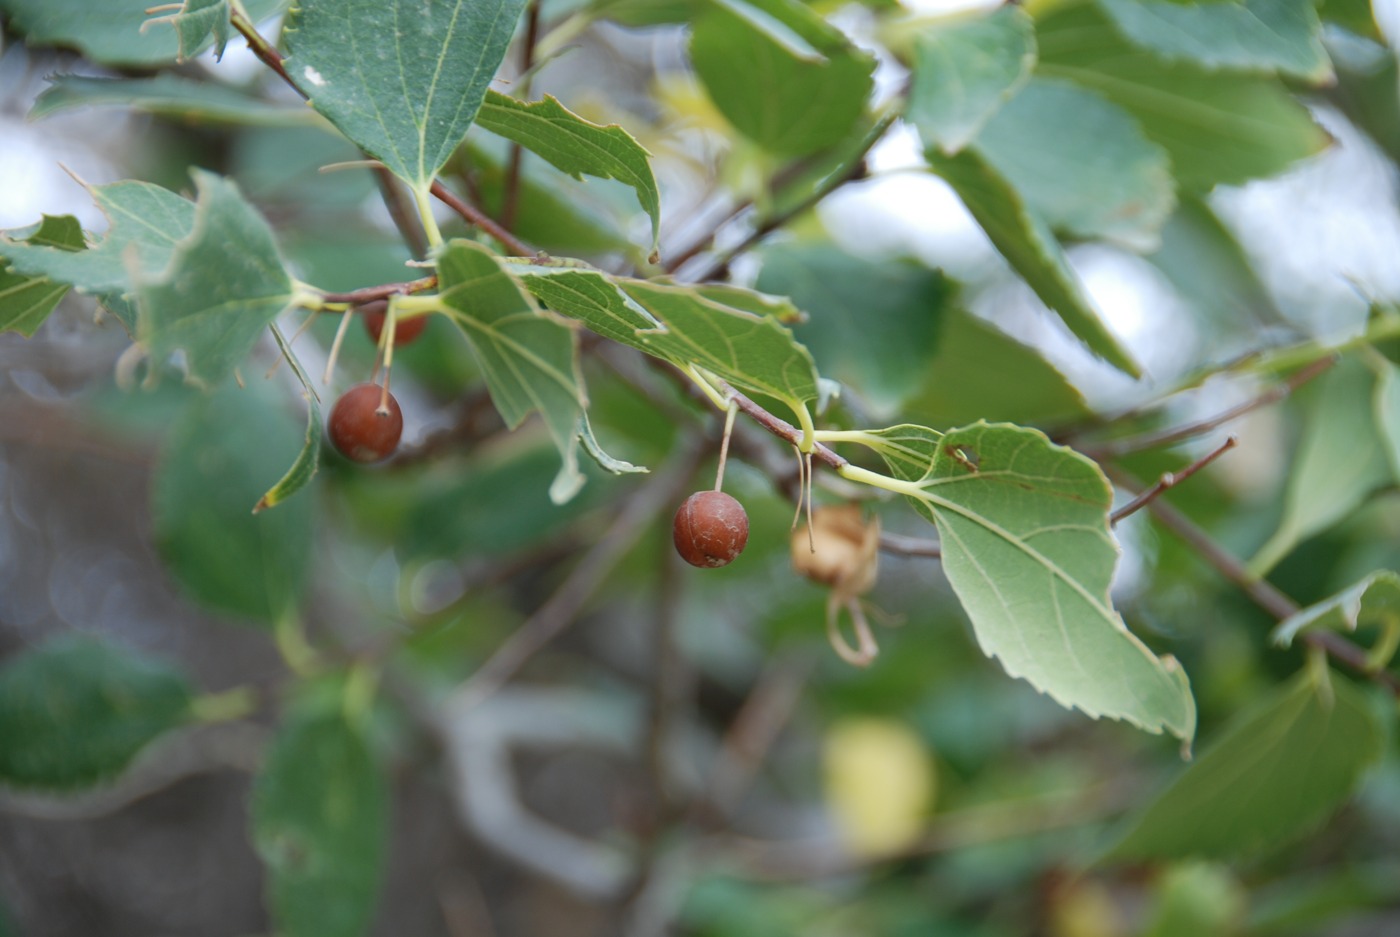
[[375, 314], [710, 529], [358, 431]]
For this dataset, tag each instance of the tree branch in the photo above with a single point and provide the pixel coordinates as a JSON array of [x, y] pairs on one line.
[[476, 216], [1260, 591], [1170, 480]]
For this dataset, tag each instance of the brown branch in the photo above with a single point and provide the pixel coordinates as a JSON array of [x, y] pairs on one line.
[[476, 216], [703, 243], [777, 425], [263, 49], [510, 198], [1122, 447], [404, 218], [1170, 480], [1260, 591], [382, 291]]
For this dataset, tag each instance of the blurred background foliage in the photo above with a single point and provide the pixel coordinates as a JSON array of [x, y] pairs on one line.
[[687, 756]]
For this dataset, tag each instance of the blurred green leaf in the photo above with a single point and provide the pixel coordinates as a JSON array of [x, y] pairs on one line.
[[1081, 163], [1023, 525], [1277, 770], [964, 72], [1304, 904], [401, 78], [75, 711], [980, 372], [575, 146], [319, 814], [1198, 899], [1387, 406], [25, 300], [814, 82], [1207, 266], [226, 282], [1374, 600], [1340, 460], [1025, 240], [197, 23], [874, 326], [530, 361], [1217, 128], [146, 223], [1367, 89], [227, 449], [1255, 35], [169, 96], [113, 32]]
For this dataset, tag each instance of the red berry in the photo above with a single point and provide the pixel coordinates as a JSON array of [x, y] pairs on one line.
[[710, 529], [375, 314], [359, 430]]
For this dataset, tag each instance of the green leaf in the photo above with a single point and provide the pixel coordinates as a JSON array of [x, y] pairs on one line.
[[402, 78], [813, 81], [113, 32], [1081, 163], [549, 213], [1207, 266], [873, 326], [684, 325], [1025, 240], [1217, 128], [1375, 600], [575, 146], [1339, 462], [1024, 529], [198, 23], [26, 301], [75, 711], [169, 96], [146, 222], [530, 361], [964, 72], [220, 458], [304, 468], [320, 816], [966, 379], [1387, 406], [225, 283], [1255, 35], [1277, 770]]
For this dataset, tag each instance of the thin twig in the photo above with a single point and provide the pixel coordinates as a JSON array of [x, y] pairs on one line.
[[476, 216], [768, 707], [1260, 591], [263, 49], [777, 425], [511, 196], [1122, 447], [403, 215], [902, 545], [561, 608], [382, 291], [675, 261], [1170, 480]]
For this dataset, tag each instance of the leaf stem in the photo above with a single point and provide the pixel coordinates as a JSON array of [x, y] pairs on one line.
[[510, 199], [480, 219], [261, 47], [876, 480], [425, 214]]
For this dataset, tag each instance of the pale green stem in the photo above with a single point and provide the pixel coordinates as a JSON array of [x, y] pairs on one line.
[[1286, 359], [423, 198], [1320, 675], [226, 706], [1383, 651], [718, 399], [874, 479], [360, 688], [292, 644], [858, 436], [408, 307]]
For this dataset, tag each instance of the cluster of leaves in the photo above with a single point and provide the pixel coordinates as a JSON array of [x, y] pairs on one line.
[[1096, 120]]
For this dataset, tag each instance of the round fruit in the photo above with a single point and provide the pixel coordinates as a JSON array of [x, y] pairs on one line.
[[375, 314], [360, 430], [710, 529]]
